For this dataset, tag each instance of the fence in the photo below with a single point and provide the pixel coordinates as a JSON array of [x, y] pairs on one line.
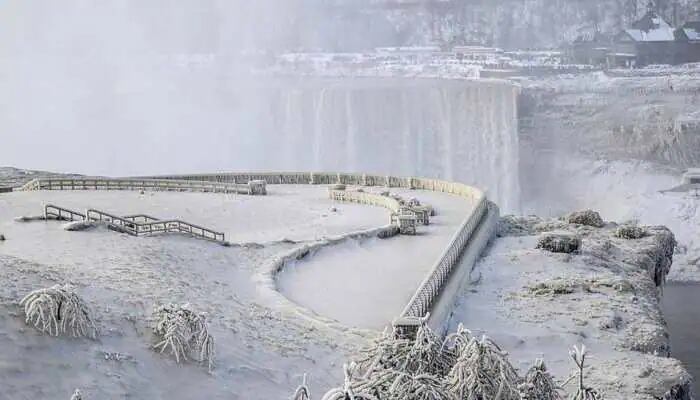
[[139, 184], [150, 225], [62, 214], [365, 198]]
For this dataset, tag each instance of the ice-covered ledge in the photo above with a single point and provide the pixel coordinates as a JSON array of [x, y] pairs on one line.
[[538, 304]]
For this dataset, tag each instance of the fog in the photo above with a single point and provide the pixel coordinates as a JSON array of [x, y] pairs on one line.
[[135, 87]]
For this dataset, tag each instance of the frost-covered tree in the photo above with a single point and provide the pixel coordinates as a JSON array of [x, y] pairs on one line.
[[539, 384], [185, 333], [481, 370], [58, 310], [302, 392], [77, 395], [583, 392]]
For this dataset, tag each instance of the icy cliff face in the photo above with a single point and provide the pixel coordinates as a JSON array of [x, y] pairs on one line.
[[462, 131]]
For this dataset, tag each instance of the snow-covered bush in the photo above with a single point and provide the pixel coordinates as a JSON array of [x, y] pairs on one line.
[[539, 384], [583, 392], [77, 395], [463, 367], [630, 232], [349, 391], [302, 392], [184, 332], [586, 217], [482, 369], [559, 242], [420, 387], [58, 310], [2, 237], [553, 287]]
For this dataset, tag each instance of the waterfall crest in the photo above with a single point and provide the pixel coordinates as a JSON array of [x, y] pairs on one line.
[[457, 130]]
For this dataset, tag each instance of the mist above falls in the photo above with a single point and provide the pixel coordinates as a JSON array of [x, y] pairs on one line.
[[133, 88]]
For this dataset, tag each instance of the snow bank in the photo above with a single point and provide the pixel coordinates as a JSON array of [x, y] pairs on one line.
[[538, 304]]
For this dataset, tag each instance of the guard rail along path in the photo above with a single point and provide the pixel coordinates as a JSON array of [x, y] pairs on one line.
[[434, 298], [250, 187], [135, 225]]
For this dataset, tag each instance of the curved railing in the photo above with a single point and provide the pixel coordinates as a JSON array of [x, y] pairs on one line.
[[371, 199]]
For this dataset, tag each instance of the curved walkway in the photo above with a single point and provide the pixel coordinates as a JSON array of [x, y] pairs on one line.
[[428, 300]]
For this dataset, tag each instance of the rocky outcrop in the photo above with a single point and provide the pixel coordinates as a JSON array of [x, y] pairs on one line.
[[605, 295]]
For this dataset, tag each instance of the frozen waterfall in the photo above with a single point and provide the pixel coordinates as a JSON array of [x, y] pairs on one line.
[[452, 129]]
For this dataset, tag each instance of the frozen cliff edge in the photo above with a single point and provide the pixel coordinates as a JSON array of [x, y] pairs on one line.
[[536, 303]]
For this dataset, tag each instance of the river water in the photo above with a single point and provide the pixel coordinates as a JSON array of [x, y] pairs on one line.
[[681, 306]]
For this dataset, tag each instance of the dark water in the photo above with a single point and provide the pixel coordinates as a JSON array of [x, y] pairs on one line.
[[681, 305]]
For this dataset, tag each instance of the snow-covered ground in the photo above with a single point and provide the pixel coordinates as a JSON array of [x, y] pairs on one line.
[[537, 304], [262, 351], [623, 191], [367, 284]]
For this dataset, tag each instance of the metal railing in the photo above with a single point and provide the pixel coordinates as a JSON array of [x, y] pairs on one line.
[[141, 218], [62, 214], [138, 184], [150, 225]]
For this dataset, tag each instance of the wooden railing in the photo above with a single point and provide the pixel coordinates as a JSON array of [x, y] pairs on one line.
[[365, 198], [138, 184], [175, 225], [122, 224], [62, 214], [141, 218], [150, 225]]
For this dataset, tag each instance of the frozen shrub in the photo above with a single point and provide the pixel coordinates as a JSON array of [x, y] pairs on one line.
[[630, 232], [302, 392], [553, 287], [586, 217], [482, 369], [185, 333], [464, 367], [2, 237], [583, 392], [77, 395], [58, 310], [420, 387], [539, 384], [559, 242], [349, 389]]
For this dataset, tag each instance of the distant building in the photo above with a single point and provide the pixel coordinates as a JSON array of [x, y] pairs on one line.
[[688, 39], [650, 40], [591, 49]]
